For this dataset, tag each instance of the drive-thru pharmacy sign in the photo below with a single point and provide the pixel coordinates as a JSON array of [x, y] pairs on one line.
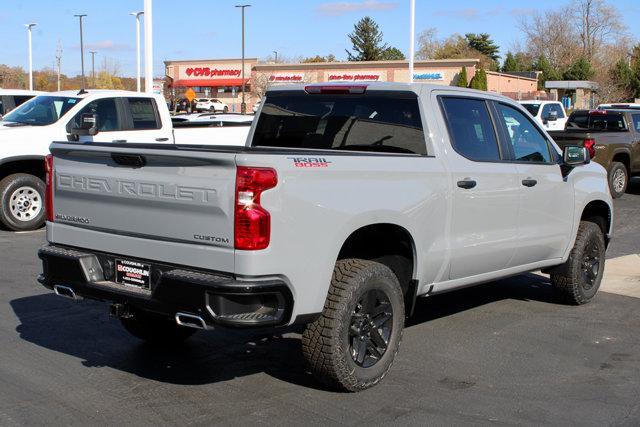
[[355, 77]]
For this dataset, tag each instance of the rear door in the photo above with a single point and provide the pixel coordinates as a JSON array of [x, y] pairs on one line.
[[174, 198], [125, 119], [545, 216], [485, 190]]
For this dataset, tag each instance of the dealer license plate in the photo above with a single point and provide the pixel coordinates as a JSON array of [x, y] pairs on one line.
[[132, 273]]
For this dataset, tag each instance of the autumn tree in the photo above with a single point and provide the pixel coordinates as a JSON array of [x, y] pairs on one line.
[[318, 58]]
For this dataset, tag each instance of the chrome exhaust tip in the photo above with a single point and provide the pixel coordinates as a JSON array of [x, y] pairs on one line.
[[190, 321], [65, 291]]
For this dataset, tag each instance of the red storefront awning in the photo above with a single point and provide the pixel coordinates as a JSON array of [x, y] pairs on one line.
[[208, 82]]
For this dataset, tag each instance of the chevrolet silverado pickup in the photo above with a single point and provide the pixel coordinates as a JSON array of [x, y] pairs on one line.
[[613, 140], [347, 203], [111, 117]]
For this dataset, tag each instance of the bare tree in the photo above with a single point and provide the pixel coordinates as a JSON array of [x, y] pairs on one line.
[[552, 35], [428, 44], [598, 25]]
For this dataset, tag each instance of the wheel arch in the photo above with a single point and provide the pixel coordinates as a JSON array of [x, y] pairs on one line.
[[389, 244], [600, 213], [623, 156], [33, 165]]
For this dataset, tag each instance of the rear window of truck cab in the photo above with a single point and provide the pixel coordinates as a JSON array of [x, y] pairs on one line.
[[599, 120], [374, 122]]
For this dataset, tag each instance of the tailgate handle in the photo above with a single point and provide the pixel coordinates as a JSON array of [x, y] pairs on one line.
[[129, 160]]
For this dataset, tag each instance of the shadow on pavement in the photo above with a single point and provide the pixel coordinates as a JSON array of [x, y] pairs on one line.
[[85, 331], [634, 186]]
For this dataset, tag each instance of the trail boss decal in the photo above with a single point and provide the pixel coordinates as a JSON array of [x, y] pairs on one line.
[[310, 162]]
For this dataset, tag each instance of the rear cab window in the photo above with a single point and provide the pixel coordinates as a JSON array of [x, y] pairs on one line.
[[600, 120], [376, 121]]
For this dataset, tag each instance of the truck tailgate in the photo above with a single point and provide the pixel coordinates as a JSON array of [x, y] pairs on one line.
[[177, 197]]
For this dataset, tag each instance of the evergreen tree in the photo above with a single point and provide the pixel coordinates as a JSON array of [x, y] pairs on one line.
[[392, 54], [367, 41], [479, 80], [483, 44], [547, 71], [462, 78], [579, 70], [510, 64], [623, 77]]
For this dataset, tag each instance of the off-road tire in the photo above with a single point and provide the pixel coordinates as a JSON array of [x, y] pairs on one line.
[[155, 329], [8, 186], [618, 169], [325, 342], [569, 279]]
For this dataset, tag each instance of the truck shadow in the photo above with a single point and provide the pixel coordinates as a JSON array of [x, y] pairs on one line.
[[85, 331], [634, 186]]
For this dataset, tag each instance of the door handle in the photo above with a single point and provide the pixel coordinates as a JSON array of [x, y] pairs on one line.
[[529, 182], [117, 141], [467, 184], [162, 139]]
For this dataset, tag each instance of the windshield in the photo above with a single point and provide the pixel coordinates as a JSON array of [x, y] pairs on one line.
[[532, 108], [41, 110]]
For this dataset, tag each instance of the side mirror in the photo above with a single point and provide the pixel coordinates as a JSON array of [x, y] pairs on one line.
[[573, 155], [88, 125]]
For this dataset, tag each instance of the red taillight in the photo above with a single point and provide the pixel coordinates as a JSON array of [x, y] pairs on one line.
[[336, 89], [48, 205], [590, 145], [252, 222]]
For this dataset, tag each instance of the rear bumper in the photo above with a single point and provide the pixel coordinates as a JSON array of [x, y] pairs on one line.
[[218, 299]]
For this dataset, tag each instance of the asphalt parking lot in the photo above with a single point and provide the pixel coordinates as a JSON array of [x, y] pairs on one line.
[[503, 353]]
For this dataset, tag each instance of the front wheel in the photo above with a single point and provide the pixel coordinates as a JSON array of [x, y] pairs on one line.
[[22, 202], [351, 346], [155, 329], [225, 109], [618, 179], [578, 279]]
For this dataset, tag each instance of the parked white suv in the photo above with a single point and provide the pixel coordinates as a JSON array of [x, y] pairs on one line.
[[550, 114], [211, 104]]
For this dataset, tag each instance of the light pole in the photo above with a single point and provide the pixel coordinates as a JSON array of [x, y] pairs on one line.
[[137, 15], [81, 52], [29, 27], [93, 68], [276, 53], [148, 46], [58, 61], [412, 30], [243, 106]]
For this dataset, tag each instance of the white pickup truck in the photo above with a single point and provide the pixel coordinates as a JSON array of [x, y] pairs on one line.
[[112, 117], [348, 203]]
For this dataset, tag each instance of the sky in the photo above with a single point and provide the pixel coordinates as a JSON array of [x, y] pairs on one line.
[[210, 29]]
